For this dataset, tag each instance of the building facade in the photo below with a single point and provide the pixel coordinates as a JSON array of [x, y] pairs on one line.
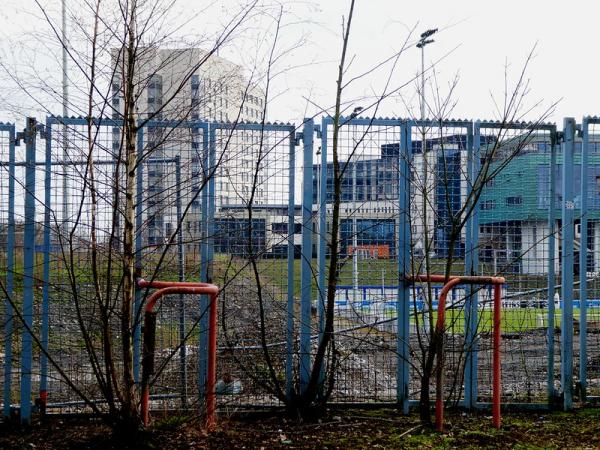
[[185, 86]]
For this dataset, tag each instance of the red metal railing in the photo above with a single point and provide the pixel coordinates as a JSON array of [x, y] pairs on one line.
[[178, 287], [449, 283]]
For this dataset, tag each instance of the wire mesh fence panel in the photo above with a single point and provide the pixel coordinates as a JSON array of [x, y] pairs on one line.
[[87, 246], [440, 189], [365, 300], [515, 242], [8, 383], [252, 232], [84, 226], [174, 176], [590, 241], [218, 203], [174, 385]]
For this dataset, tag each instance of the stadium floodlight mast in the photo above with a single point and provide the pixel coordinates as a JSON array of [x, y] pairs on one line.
[[355, 288], [421, 44], [65, 112], [424, 41]]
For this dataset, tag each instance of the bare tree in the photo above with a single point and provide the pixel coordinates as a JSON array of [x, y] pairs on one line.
[[455, 208], [116, 55]]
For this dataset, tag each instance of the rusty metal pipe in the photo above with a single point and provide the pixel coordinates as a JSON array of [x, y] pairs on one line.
[[451, 282], [168, 288]]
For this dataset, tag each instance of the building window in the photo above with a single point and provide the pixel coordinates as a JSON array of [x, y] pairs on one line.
[[488, 204], [514, 201], [195, 83]]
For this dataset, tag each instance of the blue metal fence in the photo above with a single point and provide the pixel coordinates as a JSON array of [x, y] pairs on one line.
[[217, 201]]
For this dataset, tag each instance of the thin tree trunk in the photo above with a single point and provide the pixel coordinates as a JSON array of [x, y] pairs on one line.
[[129, 409]]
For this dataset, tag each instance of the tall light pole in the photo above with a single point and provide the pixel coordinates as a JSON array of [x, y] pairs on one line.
[[353, 116], [421, 44], [424, 41], [65, 112], [354, 226]]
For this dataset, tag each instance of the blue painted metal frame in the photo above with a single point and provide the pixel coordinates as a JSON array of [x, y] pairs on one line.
[[551, 128], [322, 232], [82, 121], [289, 345], [46, 261], [208, 225], [139, 198], [327, 121], [583, 266], [28, 272], [583, 254], [181, 277], [208, 143], [567, 236], [472, 268], [10, 264], [404, 269], [108, 122], [306, 256], [551, 392], [403, 306]]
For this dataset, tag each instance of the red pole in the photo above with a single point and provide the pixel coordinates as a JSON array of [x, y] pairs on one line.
[[439, 329], [211, 382], [168, 288], [496, 357]]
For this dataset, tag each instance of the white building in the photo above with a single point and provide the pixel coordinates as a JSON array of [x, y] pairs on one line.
[[190, 85]]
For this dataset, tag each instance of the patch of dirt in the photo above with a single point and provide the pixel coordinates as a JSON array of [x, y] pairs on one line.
[[338, 429]]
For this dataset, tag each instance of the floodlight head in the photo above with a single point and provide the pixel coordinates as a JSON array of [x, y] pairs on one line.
[[356, 112], [422, 43], [428, 33]]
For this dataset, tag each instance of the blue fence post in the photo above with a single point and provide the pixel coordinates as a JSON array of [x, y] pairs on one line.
[[137, 329], [181, 277], [28, 271], [46, 263], [404, 269], [306, 256], [471, 267], [568, 225], [583, 262], [206, 250], [291, 250], [322, 232], [10, 267], [551, 394]]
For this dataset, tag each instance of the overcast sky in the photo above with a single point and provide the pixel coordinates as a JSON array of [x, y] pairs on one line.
[[476, 42]]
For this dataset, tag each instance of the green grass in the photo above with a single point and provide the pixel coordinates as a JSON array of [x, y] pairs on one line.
[[512, 320], [370, 271]]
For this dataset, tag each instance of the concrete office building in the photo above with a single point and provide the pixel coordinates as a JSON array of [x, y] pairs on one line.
[[169, 89]]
